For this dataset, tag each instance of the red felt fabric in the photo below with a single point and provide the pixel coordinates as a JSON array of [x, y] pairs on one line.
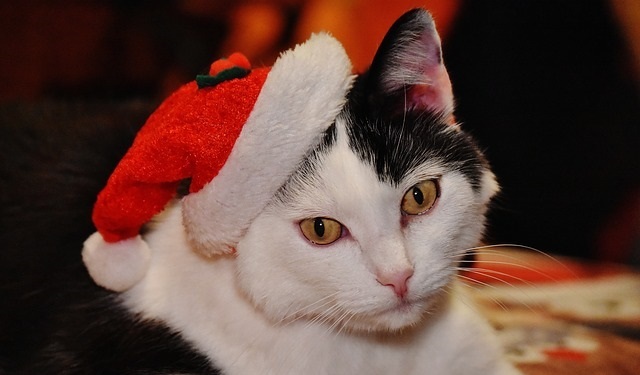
[[189, 136]]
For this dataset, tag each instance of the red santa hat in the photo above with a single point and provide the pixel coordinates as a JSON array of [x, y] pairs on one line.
[[235, 132]]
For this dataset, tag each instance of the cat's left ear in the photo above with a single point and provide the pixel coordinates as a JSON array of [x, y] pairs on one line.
[[407, 72]]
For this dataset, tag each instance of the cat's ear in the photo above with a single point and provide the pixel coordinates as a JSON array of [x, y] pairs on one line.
[[407, 72]]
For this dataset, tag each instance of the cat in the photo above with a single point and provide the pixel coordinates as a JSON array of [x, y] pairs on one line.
[[349, 269]]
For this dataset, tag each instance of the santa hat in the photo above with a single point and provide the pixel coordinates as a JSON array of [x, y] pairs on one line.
[[232, 133]]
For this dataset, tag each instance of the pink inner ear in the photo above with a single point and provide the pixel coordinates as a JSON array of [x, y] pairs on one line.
[[436, 94]]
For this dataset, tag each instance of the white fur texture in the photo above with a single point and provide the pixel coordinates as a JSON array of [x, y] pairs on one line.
[[301, 97], [116, 266], [282, 305]]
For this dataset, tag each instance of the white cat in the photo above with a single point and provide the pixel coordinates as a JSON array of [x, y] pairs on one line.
[[349, 269]]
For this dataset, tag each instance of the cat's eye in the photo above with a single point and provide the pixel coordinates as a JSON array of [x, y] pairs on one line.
[[321, 230], [420, 198]]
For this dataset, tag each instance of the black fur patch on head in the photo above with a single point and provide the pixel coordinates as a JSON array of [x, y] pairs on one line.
[[399, 113], [396, 144]]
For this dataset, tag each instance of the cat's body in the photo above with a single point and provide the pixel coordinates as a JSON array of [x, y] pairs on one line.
[[407, 191]]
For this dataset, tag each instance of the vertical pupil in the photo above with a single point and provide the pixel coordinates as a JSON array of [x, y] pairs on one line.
[[318, 226], [417, 195]]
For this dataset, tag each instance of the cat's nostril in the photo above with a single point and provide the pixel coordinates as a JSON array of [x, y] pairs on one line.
[[397, 280]]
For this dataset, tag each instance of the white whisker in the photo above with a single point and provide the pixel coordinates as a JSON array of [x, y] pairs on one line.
[[346, 323], [459, 297], [309, 309], [338, 321], [489, 250], [473, 284], [485, 274], [517, 265], [485, 271], [324, 316]]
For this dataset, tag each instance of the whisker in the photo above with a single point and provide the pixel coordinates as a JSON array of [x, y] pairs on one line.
[[478, 282], [338, 321], [481, 270], [324, 317], [320, 319], [486, 274], [489, 248], [502, 254], [461, 297], [473, 284], [521, 266], [336, 314], [344, 325], [310, 308]]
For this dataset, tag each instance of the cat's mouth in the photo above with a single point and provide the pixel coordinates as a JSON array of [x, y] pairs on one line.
[[405, 313], [396, 318], [410, 310], [405, 306]]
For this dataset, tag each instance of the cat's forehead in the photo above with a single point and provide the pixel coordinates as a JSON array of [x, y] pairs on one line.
[[399, 146], [361, 144], [396, 149]]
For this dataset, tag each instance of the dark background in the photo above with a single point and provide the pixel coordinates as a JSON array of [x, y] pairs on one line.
[[548, 88]]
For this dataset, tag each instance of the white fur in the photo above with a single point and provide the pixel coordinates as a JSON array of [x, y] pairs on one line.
[[303, 93], [282, 305]]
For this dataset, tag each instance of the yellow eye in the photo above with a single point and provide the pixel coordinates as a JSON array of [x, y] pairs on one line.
[[320, 230], [420, 198]]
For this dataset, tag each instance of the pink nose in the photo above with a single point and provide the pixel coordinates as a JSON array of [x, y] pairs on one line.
[[396, 279]]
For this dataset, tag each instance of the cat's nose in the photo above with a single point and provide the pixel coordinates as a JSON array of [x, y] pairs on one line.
[[396, 280]]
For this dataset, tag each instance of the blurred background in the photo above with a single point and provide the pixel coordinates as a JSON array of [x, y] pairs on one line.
[[550, 88]]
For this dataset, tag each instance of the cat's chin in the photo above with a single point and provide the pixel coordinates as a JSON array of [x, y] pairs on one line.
[[400, 317], [397, 318], [403, 315]]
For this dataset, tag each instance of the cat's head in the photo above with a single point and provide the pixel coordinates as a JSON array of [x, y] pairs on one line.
[[367, 234]]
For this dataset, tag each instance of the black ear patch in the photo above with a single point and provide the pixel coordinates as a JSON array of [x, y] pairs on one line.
[[407, 72], [399, 114]]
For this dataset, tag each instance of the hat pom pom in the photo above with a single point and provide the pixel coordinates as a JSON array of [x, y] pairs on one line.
[[116, 266]]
